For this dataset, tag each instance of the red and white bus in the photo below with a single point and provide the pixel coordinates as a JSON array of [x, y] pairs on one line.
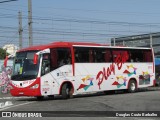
[[71, 68]]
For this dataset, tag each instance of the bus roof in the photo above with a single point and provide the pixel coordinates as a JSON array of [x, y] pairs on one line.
[[59, 44], [69, 44]]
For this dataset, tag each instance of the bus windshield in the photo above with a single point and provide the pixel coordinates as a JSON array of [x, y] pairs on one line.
[[24, 68]]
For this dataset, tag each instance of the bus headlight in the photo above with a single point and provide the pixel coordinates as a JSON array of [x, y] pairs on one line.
[[35, 86]]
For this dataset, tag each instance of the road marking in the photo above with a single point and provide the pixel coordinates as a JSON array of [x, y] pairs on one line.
[[16, 105], [5, 104]]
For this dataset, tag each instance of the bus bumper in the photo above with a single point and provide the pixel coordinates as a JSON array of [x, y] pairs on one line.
[[25, 92]]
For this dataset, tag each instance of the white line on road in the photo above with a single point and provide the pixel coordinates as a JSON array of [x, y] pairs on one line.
[[16, 105]]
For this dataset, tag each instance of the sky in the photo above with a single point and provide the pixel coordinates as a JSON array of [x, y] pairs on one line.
[[78, 20]]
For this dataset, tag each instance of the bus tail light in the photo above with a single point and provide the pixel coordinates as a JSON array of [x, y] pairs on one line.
[[35, 86]]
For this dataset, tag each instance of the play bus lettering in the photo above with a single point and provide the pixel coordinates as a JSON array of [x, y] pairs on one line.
[[120, 59], [70, 68]]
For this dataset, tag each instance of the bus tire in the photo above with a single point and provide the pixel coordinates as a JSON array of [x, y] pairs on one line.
[[66, 91], [132, 86]]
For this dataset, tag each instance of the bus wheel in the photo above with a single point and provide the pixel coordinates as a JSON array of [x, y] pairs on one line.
[[132, 87], [66, 91]]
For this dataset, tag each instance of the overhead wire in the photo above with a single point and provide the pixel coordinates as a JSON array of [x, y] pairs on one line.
[[87, 32]]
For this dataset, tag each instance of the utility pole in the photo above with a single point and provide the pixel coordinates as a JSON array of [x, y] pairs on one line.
[[20, 29], [30, 22]]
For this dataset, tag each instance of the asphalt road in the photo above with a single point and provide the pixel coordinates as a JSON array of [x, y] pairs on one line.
[[144, 100]]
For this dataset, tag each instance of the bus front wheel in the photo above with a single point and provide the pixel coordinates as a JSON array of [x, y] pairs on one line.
[[132, 87], [66, 91]]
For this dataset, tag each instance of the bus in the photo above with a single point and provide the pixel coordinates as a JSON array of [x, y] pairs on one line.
[[71, 68]]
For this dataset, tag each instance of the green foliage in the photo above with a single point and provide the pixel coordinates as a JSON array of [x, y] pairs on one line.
[[3, 53]]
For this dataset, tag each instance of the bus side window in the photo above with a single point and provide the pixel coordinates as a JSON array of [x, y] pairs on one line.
[[60, 57], [64, 56], [137, 55], [54, 57], [148, 56], [76, 56], [82, 55], [115, 54], [91, 59], [99, 55], [45, 64], [122, 53], [108, 55], [65, 60], [130, 59]]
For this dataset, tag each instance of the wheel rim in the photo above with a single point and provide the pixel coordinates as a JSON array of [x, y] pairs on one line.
[[67, 91], [133, 86]]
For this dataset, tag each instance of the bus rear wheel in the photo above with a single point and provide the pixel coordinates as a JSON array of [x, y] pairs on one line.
[[67, 91], [132, 87]]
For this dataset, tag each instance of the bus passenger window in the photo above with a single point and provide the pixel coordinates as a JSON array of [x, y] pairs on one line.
[[82, 55], [76, 57], [136, 55], [148, 56], [99, 55], [65, 60], [64, 56], [121, 54], [108, 56], [45, 64], [60, 57]]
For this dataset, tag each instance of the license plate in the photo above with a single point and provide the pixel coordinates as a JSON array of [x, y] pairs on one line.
[[21, 93]]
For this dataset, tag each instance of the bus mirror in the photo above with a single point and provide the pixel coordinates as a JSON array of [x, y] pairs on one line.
[[35, 59], [5, 61]]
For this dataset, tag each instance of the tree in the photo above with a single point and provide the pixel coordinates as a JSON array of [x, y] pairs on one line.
[[3, 53]]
